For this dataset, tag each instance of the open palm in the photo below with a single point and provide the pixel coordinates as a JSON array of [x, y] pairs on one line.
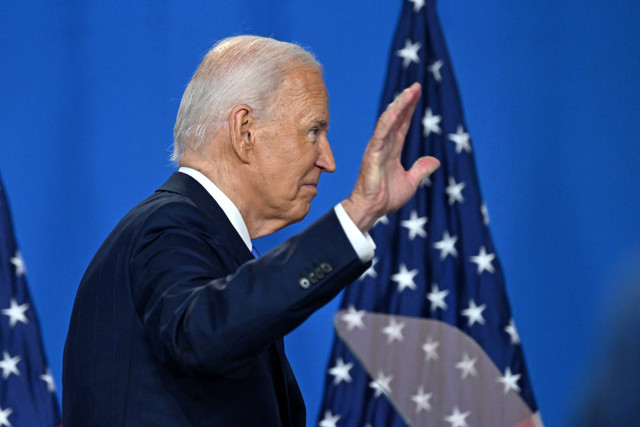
[[383, 184]]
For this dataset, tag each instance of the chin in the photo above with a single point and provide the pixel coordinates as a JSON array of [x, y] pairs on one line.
[[300, 213]]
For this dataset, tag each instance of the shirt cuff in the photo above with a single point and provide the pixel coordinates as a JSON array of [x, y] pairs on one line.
[[363, 244]]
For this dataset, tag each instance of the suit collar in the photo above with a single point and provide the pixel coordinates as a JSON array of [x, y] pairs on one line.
[[225, 203], [187, 186]]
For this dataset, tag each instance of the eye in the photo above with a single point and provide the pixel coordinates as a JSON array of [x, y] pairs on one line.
[[317, 129], [314, 132]]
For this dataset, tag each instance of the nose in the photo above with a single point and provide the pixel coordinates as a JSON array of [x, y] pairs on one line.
[[325, 159]]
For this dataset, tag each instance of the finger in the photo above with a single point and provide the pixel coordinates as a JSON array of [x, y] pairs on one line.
[[403, 107], [397, 113], [422, 168], [408, 96], [405, 122]]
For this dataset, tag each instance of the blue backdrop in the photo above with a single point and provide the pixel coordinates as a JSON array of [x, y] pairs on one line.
[[551, 95]]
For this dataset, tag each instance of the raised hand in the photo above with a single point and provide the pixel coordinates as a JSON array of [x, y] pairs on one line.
[[383, 184]]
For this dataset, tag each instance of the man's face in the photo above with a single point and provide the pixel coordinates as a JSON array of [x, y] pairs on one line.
[[292, 149]]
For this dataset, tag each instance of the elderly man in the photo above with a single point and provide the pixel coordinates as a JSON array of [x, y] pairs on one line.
[[175, 323]]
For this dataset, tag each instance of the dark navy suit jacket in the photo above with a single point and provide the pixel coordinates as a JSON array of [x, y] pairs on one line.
[[176, 324]]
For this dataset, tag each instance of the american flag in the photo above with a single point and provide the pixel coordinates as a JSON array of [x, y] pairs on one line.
[[426, 335], [27, 389]]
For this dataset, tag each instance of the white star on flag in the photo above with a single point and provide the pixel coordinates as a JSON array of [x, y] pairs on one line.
[[329, 420], [457, 418], [19, 263], [485, 214], [16, 313], [415, 225], [513, 332], [436, 297], [9, 365], [404, 278], [461, 139], [48, 378], [426, 182], [4, 417], [435, 70], [417, 4], [447, 246], [454, 191], [409, 53], [474, 313], [421, 400], [467, 366], [430, 349], [382, 384], [510, 381], [393, 331], [483, 259], [382, 220], [431, 123], [340, 371], [371, 271], [353, 318]]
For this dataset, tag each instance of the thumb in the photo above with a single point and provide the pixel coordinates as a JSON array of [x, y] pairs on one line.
[[422, 168]]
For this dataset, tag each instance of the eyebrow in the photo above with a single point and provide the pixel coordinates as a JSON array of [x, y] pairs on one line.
[[321, 123]]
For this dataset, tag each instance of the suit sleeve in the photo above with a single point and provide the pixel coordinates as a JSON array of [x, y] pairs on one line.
[[202, 320]]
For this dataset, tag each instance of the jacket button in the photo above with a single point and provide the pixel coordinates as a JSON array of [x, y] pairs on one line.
[[304, 283], [313, 278], [319, 272], [326, 267]]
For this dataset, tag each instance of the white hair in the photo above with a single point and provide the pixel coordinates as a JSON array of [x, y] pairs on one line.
[[237, 70]]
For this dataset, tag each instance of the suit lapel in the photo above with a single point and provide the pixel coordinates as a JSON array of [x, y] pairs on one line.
[[185, 185], [288, 391]]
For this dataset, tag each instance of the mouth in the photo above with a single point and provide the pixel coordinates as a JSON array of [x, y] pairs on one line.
[[312, 182], [312, 187]]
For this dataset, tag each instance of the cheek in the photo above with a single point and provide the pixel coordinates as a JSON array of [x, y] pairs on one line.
[[285, 170], [289, 183], [281, 181], [296, 164]]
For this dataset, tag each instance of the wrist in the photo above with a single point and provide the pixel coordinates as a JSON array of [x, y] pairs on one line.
[[362, 217]]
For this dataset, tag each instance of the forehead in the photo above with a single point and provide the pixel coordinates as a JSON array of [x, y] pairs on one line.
[[303, 93]]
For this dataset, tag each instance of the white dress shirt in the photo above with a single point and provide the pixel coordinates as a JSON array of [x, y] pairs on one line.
[[362, 244]]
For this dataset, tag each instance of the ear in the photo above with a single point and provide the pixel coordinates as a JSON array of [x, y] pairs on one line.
[[241, 124]]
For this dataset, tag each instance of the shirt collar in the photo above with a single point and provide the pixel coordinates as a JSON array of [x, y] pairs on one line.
[[227, 206]]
